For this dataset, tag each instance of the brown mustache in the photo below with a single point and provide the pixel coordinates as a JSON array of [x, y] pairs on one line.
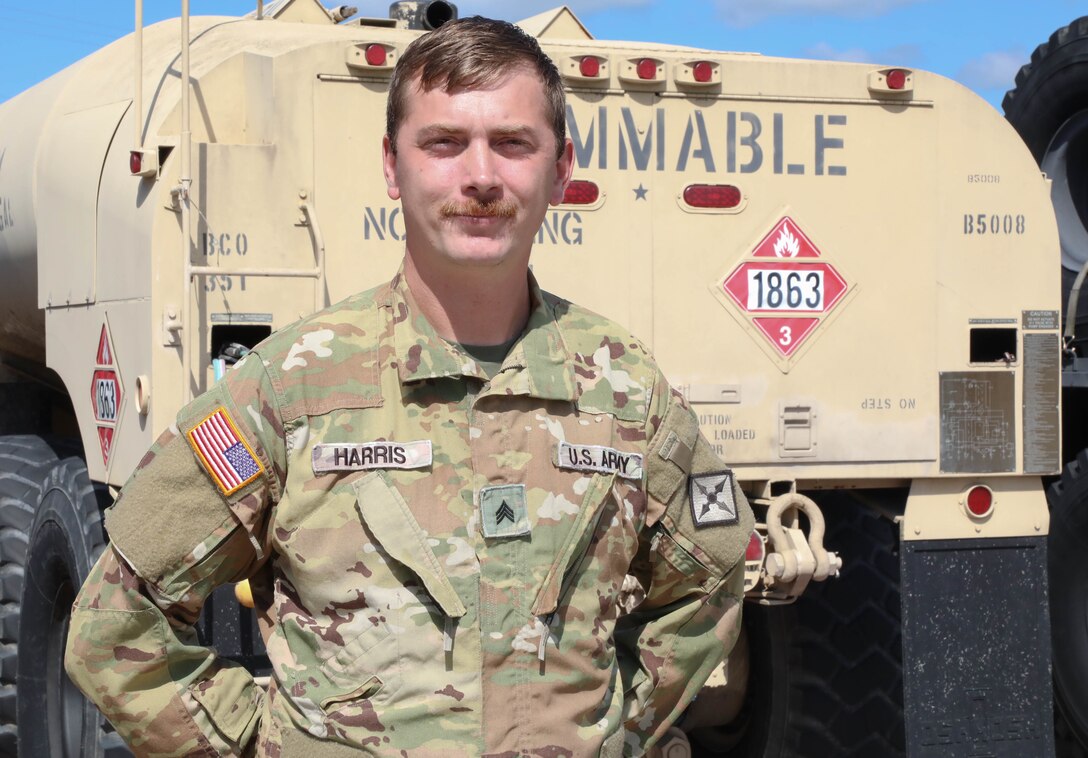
[[501, 208]]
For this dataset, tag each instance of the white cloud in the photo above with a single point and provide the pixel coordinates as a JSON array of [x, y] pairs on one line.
[[996, 70], [743, 13], [903, 55], [824, 52]]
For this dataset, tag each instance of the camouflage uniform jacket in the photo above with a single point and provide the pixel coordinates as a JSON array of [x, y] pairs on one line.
[[436, 558]]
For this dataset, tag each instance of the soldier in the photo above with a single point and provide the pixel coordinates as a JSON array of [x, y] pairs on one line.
[[437, 487]]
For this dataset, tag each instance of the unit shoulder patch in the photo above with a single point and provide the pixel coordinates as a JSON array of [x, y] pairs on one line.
[[360, 456], [225, 455], [605, 460], [712, 500]]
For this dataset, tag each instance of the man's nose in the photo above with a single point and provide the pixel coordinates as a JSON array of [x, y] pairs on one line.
[[481, 174]]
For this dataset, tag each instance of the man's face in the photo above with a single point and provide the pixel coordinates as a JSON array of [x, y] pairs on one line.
[[475, 171]]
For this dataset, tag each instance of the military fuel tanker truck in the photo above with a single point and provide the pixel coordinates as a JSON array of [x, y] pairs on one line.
[[850, 270]]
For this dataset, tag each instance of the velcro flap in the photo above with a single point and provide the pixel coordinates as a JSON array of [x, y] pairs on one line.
[[671, 450], [223, 445], [156, 539]]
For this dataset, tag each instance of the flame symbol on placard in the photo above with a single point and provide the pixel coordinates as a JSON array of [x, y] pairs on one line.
[[786, 246]]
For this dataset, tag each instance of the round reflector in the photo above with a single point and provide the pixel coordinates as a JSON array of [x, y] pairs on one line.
[[590, 67], [754, 551], [702, 71], [135, 162], [647, 68], [581, 192], [375, 54], [897, 78], [980, 500], [712, 196]]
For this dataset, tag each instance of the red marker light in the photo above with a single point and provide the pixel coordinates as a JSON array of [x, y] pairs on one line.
[[702, 71], [896, 78], [375, 54], [754, 551], [980, 501], [647, 68], [581, 192], [135, 162], [712, 196], [589, 67]]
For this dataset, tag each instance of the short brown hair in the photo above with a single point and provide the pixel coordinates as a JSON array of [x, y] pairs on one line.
[[473, 52]]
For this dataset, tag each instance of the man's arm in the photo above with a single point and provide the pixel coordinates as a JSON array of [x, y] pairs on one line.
[[184, 524], [698, 525]]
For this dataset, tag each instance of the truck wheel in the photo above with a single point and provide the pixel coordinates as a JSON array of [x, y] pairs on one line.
[[826, 672], [1068, 575], [50, 535], [761, 730], [1049, 109]]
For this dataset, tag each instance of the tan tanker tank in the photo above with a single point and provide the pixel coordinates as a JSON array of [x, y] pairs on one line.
[[850, 270]]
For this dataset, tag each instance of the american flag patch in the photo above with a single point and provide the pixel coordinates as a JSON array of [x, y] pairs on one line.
[[226, 456]]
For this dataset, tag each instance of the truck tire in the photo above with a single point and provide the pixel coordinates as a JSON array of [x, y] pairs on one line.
[[826, 672], [1049, 109], [1068, 574], [50, 535]]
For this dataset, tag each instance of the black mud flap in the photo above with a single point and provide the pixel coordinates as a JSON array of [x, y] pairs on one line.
[[976, 649]]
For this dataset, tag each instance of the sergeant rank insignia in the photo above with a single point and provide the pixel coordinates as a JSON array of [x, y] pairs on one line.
[[711, 497], [503, 513], [227, 458]]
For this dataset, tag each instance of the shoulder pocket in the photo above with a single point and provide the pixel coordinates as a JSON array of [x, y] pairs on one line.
[[232, 701]]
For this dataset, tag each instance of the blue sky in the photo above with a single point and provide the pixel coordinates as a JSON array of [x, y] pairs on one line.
[[978, 43]]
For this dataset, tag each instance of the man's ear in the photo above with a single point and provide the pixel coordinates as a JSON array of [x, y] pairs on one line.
[[564, 167], [389, 168]]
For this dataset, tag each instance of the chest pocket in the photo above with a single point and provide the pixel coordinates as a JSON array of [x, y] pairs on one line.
[[365, 666], [388, 517], [562, 572]]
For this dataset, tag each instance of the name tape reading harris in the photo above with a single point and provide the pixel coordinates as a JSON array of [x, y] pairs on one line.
[[359, 456]]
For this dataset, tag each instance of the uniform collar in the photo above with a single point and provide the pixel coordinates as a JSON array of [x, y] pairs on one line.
[[537, 365]]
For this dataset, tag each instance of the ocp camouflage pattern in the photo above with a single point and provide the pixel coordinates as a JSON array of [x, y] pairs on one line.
[[393, 624]]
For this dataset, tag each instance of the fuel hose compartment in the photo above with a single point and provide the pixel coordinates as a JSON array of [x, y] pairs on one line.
[[976, 648]]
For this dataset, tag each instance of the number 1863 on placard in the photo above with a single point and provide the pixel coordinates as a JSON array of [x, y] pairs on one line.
[[771, 289]]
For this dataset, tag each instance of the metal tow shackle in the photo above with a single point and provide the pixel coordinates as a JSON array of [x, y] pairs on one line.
[[795, 558]]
